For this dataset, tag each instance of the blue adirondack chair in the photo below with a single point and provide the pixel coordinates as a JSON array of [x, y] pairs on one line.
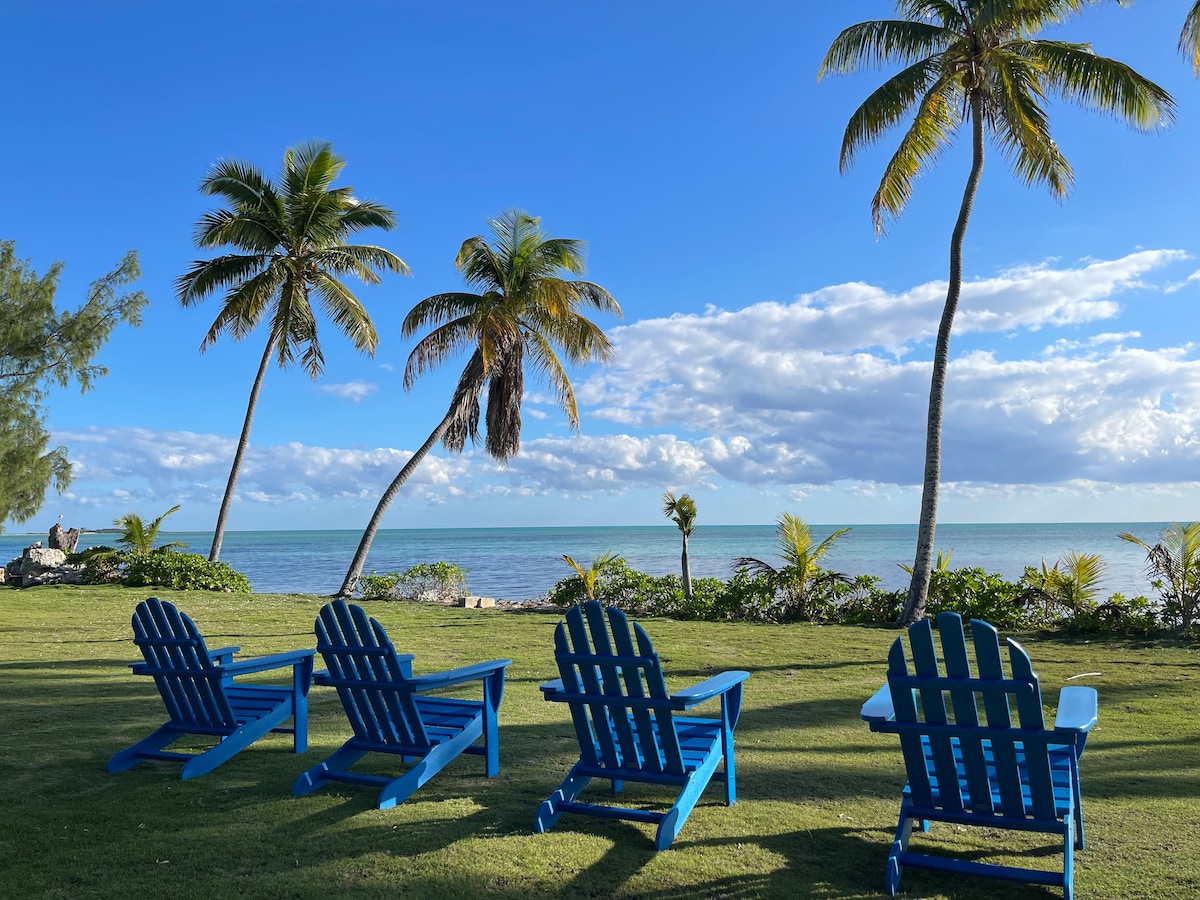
[[967, 761], [197, 687], [627, 725], [391, 711]]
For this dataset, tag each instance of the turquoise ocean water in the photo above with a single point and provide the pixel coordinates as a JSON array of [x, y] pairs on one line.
[[523, 563]]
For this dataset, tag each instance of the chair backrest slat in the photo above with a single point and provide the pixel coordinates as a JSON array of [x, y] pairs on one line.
[[192, 687], [1037, 756], [662, 716], [966, 712], [360, 655], [999, 717], [632, 673], [933, 708]]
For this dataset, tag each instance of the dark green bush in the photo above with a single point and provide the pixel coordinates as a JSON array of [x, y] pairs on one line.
[[829, 597], [101, 564], [182, 572], [1118, 615], [976, 594]]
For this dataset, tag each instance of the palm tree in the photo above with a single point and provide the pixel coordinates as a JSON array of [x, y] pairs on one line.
[[1067, 590], [682, 511], [524, 313], [801, 555], [1189, 38], [590, 577], [138, 537], [1174, 562], [292, 241], [975, 61]]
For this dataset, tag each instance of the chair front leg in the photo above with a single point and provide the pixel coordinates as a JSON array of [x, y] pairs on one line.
[[493, 692], [301, 681]]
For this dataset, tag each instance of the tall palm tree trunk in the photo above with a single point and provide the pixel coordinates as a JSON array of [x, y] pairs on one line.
[[918, 591], [466, 395], [364, 545], [214, 554], [687, 571]]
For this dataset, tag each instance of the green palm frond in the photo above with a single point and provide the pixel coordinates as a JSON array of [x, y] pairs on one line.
[[549, 369], [441, 344], [1084, 573], [681, 510], [207, 276], [870, 45], [252, 231], [885, 107], [1102, 85], [241, 184], [1189, 38], [927, 138], [138, 536]]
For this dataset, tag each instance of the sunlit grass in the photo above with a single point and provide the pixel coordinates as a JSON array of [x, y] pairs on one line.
[[818, 793]]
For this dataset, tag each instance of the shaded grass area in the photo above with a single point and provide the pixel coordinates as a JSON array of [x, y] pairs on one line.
[[818, 793]]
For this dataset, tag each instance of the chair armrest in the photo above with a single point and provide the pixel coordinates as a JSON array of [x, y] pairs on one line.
[[707, 689], [552, 687], [476, 672], [266, 663], [223, 655], [1078, 709], [879, 707]]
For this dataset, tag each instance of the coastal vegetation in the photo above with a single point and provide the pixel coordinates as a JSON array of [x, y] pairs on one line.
[[817, 793], [291, 240], [976, 63], [589, 577], [524, 314], [1064, 596], [41, 348], [440, 582], [801, 575], [1173, 564]]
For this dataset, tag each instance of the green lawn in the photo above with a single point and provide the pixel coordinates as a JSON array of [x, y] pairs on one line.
[[818, 793]]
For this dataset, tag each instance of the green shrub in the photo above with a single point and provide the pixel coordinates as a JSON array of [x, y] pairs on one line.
[[977, 594], [101, 564], [1117, 615], [748, 598], [377, 587], [182, 572], [862, 602], [438, 582]]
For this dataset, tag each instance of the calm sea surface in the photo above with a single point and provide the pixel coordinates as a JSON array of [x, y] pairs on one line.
[[524, 563]]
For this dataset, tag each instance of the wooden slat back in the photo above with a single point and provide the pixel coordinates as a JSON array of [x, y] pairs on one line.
[[920, 698], [191, 686], [596, 657], [357, 650]]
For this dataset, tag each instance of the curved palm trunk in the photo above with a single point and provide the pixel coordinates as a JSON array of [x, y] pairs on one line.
[[466, 395], [214, 554], [918, 591], [364, 545], [687, 571]]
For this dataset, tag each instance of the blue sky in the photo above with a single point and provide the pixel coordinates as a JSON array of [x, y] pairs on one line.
[[773, 356]]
